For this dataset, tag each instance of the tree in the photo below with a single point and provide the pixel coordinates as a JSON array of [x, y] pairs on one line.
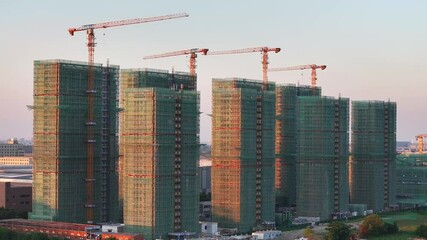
[[7, 234], [34, 236], [373, 226], [421, 231], [308, 233], [338, 231], [390, 228], [10, 213]]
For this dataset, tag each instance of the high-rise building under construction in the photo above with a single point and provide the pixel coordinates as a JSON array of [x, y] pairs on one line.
[[243, 133], [286, 140], [322, 157], [60, 169], [373, 155], [159, 144]]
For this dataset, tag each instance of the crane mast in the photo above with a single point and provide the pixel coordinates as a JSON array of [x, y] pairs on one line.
[[313, 68], [90, 123], [259, 125], [192, 52], [263, 50], [420, 141]]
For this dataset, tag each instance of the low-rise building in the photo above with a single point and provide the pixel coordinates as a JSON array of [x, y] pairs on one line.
[[72, 231], [11, 148], [19, 160], [267, 235], [16, 196], [209, 229]]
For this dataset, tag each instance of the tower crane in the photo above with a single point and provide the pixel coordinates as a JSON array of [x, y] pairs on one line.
[[313, 68], [420, 140], [263, 50], [193, 55], [90, 31]]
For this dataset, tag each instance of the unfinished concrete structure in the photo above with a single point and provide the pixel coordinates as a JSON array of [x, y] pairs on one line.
[[286, 140], [373, 157], [63, 181], [159, 144], [322, 157], [243, 133]]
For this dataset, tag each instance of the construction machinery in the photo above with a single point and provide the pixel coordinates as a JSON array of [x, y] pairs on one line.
[[313, 68], [420, 140], [90, 123], [193, 55], [263, 50], [192, 52]]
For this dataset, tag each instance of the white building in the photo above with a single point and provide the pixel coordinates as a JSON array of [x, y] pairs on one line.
[[11, 149]]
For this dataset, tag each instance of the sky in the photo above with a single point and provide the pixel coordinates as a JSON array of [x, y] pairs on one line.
[[374, 50]]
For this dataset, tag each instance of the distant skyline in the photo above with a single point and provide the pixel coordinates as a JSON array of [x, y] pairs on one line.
[[374, 50]]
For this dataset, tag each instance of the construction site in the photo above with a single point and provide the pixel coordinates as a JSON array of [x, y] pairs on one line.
[[64, 186], [373, 160], [322, 157], [286, 140], [122, 146], [243, 133], [411, 176], [159, 143]]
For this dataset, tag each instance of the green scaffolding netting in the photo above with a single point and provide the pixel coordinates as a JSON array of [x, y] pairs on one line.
[[235, 125], [60, 141], [322, 156], [286, 140], [372, 163], [152, 102]]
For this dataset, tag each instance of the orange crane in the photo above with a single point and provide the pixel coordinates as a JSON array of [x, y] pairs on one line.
[[192, 52], [193, 55], [89, 28], [420, 140], [263, 50], [313, 68]]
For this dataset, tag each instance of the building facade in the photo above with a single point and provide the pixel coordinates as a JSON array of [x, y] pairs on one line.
[[205, 175], [63, 179], [160, 152], [243, 132], [11, 149], [411, 178], [286, 141], [16, 196], [16, 160], [322, 157], [373, 160]]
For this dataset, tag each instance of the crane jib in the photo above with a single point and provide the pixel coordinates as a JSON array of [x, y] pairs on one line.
[[87, 26]]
